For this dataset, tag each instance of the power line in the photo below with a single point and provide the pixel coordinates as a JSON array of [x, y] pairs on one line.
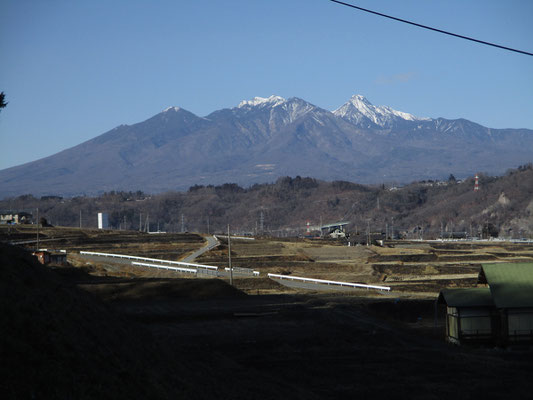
[[432, 29]]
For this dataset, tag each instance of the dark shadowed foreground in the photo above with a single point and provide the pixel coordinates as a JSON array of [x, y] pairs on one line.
[[65, 334]]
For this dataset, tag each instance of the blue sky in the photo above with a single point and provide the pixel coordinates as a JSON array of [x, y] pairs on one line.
[[72, 70]]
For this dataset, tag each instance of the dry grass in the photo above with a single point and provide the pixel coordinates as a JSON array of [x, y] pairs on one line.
[[177, 338], [428, 266]]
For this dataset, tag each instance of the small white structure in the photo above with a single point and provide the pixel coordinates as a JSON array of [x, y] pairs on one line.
[[103, 221], [335, 231]]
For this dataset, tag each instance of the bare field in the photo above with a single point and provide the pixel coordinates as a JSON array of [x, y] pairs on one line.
[[172, 337], [408, 267], [171, 246], [423, 267]]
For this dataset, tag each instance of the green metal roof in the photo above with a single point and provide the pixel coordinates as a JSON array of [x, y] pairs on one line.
[[470, 297], [511, 285]]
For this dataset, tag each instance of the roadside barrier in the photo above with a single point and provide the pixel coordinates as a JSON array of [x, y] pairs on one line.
[[93, 253], [178, 269], [325, 282], [233, 237], [244, 271]]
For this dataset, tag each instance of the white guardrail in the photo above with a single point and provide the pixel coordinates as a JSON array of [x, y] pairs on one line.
[[93, 253], [234, 237], [179, 269], [243, 271], [325, 282]]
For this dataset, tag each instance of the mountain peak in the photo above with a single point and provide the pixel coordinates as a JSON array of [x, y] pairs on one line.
[[176, 149], [271, 101], [362, 112], [358, 98], [171, 109]]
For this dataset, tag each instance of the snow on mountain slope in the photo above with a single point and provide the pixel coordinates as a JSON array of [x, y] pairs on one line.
[[273, 113], [176, 149], [271, 101], [358, 110]]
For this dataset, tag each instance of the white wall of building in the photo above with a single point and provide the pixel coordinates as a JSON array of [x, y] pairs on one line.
[[103, 221]]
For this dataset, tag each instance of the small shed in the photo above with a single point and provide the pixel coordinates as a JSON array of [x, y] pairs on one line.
[[511, 286], [500, 313], [45, 256], [470, 315]]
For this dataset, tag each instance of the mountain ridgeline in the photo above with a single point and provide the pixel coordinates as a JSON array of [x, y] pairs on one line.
[[266, 138]]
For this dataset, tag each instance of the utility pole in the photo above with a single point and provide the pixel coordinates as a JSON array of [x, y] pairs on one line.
[[124, 222], [392, 229], [37, 229], [80, 219], [140, 222], [182, 223], [262, 222], [229, 260], [368, 233]]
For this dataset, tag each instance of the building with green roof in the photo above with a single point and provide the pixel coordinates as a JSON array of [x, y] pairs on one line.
[[499, 313]]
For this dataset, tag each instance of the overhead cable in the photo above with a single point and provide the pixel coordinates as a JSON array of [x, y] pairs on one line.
[[431, 29]]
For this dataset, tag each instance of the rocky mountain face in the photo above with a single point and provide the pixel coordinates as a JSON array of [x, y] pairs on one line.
[[264, 138]]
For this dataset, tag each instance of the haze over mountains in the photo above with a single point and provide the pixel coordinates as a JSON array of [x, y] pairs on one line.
[[265, 138]]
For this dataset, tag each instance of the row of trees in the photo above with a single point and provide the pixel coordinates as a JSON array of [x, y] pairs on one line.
[[503, 204]]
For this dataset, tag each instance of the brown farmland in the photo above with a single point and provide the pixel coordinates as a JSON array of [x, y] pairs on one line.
[[100, 329]]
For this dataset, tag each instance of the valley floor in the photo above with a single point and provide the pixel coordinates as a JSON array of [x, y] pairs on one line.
[[106, 330]]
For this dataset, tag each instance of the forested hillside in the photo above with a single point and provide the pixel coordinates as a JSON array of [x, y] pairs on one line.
[[503, 206]]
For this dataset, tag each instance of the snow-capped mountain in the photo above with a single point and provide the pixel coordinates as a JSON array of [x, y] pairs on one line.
[[359, 111], [264, 138], [275, 111], [271, 101]]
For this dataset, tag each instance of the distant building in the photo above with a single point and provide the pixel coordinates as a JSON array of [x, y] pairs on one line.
[[335, 231], [51, 257], [499, 314], [42, 256], [15, 218], [364, 238], [103, 221]]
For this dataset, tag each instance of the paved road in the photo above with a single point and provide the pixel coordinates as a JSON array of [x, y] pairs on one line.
[[211, 244]]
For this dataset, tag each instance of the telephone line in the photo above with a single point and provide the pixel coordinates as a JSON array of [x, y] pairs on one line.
[[430, 28]]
